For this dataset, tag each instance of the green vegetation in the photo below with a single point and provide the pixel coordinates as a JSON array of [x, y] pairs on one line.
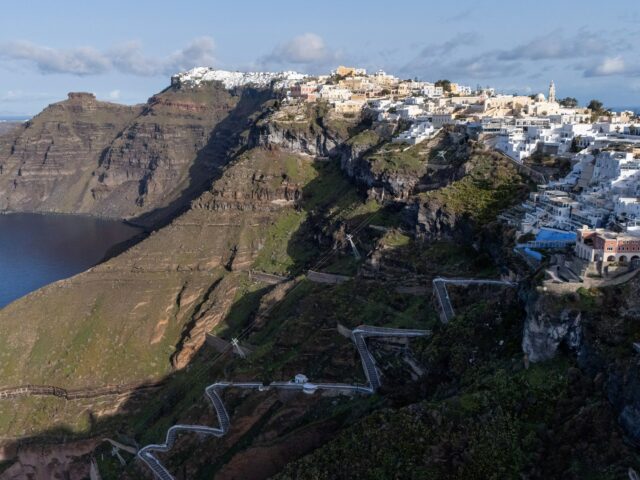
[[396, 239], [484, 416], [568, 102], [326, 198], [445, 84], [596, 106], [457, 404], [597, 109], [276, 255], [366, 138], [489, 187], [398, 158]]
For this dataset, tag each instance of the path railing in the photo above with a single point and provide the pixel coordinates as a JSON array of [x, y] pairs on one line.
[[358, 336], [50, 390], [442, 294]]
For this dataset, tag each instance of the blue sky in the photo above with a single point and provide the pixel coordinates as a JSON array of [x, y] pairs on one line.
[[126, 51]]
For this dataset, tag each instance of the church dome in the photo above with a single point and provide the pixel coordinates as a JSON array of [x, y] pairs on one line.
[[540, 97]]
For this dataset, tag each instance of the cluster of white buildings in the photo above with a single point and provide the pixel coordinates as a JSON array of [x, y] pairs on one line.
[[425, 106], [599, 199], [521, 126], [602, 189], [199, 75], [418, 132]]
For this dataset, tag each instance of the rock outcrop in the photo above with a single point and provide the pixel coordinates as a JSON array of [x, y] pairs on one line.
[[48, 163], [302, 129], [598, 327], [545, 329]]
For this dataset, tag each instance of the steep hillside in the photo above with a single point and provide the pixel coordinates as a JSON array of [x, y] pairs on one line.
[[145, 312], [142, 163], [298, 183], [48, 163]]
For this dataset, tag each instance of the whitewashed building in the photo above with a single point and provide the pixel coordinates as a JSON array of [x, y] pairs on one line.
[[419, 132]]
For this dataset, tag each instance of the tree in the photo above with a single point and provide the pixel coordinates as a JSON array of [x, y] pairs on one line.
[[575, 144], [568, 102], [597, 109], [445, 84], [596, 106]]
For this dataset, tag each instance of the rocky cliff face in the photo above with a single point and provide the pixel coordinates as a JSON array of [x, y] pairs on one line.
[[6, 127], [546, 328], [47, 164], [144, 162], [305, 129], [363, 149], [145, 312], [270, 206], [598, 326]]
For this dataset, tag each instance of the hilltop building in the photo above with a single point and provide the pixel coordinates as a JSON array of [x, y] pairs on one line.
[[600, 245]]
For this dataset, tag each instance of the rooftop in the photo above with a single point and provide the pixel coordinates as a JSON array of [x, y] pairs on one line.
[[198, 75]]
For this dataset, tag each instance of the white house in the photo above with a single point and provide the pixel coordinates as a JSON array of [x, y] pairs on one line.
[[440, 119], [332, 93], [627, 207], [430, 90], [414, 101], [409, 111], [419, 132]]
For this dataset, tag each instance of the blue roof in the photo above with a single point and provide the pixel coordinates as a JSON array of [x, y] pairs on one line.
[[548, 235], [533, 253]]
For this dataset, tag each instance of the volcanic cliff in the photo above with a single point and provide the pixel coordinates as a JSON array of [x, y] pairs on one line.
[[143, 163], [274, 191]]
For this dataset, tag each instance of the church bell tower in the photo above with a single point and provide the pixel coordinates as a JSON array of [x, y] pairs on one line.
[[552, 92]]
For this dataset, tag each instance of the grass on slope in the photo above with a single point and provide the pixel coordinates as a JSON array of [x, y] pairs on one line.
[[328, 198], [398, 158], [481, 416], [491, 186]]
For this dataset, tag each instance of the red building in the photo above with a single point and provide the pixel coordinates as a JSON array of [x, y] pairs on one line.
[[603, 245]]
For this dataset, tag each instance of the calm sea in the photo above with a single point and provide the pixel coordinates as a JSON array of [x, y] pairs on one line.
[[39, 249]]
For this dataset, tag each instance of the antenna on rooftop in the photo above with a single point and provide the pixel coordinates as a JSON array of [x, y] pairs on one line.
[[356, 254], [236, 345]]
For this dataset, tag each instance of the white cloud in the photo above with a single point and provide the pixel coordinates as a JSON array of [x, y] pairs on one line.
[[608, 66], [308, 48], [127, 58], [114, 94], [76, 61], [198, 53], [436, 57]]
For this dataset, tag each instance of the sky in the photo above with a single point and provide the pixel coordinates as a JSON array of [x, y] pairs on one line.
[[125, 51]]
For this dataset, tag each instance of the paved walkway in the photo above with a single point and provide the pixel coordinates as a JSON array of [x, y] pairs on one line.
[[330, 278], [358, 336], [440, 290], [121, 446], [268, 278], [53, 391]]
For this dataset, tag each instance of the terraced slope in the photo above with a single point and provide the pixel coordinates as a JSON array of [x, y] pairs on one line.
[[143, 163]]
